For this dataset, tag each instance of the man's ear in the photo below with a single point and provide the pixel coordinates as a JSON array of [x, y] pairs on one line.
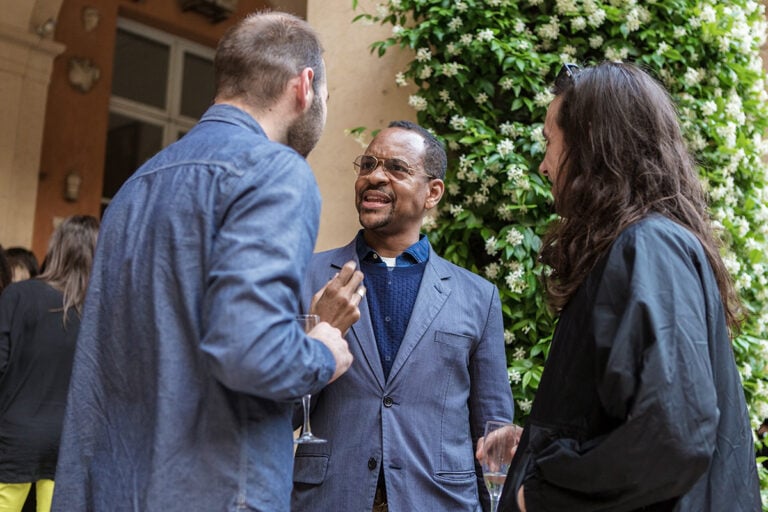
[[436, 190], [304, 91]]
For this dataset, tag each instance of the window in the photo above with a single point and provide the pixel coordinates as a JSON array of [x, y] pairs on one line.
[[161, 85]]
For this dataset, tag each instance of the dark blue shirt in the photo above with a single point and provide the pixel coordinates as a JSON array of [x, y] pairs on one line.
[[391, 293]]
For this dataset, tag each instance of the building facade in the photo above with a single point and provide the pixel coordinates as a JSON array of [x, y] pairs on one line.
[[90, 88]]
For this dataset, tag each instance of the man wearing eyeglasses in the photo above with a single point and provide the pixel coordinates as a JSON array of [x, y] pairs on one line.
[[430, 366]]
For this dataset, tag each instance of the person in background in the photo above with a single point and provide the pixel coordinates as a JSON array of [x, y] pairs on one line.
[[39, 323], [640, 406], [190, 357], [23, 263], [6, 274], [430, 367]]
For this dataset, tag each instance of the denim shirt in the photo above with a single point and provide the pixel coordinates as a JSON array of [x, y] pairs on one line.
[[189, 357]]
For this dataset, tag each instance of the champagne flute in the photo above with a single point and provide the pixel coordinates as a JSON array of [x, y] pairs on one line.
[[307, 322], [499, 445]]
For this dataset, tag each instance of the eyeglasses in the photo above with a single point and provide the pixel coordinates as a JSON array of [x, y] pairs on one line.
[[567, 75], [394, 167]]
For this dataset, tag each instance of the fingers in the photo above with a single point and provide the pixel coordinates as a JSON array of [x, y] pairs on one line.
[[358, 296]]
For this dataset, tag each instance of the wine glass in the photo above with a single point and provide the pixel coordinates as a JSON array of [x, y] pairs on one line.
[[499, 445], [307, 322]]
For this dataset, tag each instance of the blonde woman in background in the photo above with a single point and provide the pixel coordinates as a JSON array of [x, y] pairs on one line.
[[39, 323]]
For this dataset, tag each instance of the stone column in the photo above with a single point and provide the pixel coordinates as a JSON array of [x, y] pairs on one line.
[[26, 61]]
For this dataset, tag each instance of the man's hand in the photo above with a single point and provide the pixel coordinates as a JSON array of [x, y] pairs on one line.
[[337, 302], [331, 338]]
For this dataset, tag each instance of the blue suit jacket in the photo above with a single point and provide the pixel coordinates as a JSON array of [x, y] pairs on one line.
[[449, 377]]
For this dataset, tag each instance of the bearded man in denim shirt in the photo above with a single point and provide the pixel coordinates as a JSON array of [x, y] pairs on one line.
[[189, 356]]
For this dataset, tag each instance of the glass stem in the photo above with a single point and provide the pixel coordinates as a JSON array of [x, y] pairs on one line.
[[305, 400]]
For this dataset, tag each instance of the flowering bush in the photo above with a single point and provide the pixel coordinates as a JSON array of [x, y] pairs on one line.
[[482, 71]]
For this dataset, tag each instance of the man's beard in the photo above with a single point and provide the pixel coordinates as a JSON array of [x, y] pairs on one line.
[[304, 133]]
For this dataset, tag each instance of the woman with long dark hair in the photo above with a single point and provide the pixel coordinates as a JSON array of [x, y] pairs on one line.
[[640, 406], [39, 323]]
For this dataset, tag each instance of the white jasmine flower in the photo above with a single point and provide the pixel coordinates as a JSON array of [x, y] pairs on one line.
[[466, 39], [490, 246], [455, 24], [444, 95], [461, 6], [456, 209], [400, 80], [691, 77], [519, 27], [708, 108], [508, 129], [550, 30], [543, 98], [708, 14], [452, 49], [396, 29], [565, 6], [425, 73], [485, 35], [503, 211], [505, 147], [514, 376], [381, 11], [506, 83], [596, 18], [492, 270], [451, 69], [417, 102], [454, 188], [514, 237], [525, 405], [519, 353], [578, 23], [423, 55], [595, 41], [509, 337], [458, 123], [481, 98]]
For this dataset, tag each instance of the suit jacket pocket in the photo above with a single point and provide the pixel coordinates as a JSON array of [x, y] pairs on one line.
[[310, 468], [453, 340]]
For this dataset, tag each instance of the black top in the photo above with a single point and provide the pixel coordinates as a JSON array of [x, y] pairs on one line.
[[36, 351], [640, 406]]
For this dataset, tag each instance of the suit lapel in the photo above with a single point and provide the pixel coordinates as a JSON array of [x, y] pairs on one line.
[[433, 292], [361, 333]]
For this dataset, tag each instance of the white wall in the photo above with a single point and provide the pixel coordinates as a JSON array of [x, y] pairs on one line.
[[362, 93]]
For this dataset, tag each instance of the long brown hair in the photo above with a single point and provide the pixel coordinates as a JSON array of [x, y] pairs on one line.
[[625, 158], [67, 264]]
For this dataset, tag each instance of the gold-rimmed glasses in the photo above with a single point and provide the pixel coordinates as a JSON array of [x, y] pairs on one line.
[[397, 169]]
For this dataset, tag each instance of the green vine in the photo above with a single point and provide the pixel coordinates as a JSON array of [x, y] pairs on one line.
[[482, 71]]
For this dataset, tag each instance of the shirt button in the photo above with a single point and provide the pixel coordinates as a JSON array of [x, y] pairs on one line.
[[388, 401], [372, 463]]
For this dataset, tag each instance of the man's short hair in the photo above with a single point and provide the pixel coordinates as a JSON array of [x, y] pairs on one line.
[[435, 159], [257, 57]]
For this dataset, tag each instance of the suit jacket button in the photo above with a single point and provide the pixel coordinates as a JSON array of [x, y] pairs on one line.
[[388, 401], [372, 463]]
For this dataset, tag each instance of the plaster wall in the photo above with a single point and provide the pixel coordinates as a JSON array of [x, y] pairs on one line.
[[362, 92]]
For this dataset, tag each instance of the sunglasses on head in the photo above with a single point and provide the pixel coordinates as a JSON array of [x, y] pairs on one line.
[[567, 75]]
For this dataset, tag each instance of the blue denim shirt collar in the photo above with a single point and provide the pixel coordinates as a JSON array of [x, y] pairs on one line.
[[417, 253]]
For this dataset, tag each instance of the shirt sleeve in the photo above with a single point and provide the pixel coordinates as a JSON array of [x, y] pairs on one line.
[[654, 377], [261, 252]]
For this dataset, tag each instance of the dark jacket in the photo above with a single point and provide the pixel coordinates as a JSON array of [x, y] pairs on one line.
[[640, 406]]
